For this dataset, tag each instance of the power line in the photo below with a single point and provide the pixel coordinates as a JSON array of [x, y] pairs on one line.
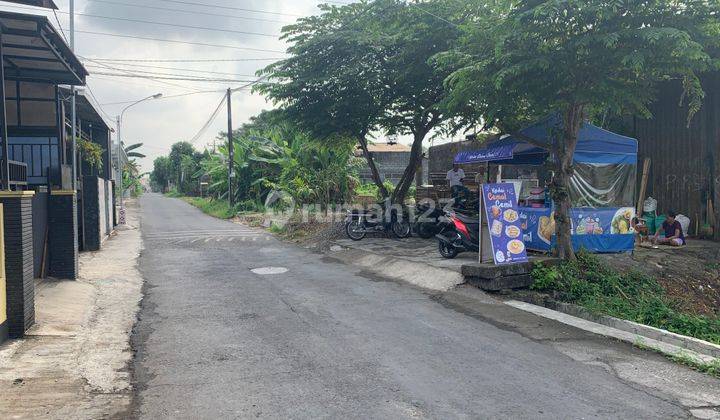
[[135, 66], [97, 102], [210, 120], [175, 25], [203, 44], [167, 97], [169, 9], [230, 8], [142, 60], [214, 114], [153, 77], [130, 73]]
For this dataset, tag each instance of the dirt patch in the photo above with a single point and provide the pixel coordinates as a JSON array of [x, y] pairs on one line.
[[317, 232], [690, 274]]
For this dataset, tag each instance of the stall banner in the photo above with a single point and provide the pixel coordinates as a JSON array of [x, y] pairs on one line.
[[598, 230], [504, 223]]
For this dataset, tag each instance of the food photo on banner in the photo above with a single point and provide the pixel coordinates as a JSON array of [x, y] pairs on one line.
[[504, 223], [596, 230]]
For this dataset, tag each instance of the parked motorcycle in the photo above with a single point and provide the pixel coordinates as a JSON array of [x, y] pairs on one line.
[[460, 234], [429, 220], [360, 222]]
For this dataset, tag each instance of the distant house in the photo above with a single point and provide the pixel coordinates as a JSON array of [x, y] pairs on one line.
[[391, 160]]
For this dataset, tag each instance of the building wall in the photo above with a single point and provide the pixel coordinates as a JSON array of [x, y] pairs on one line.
[[685, 171], [391, 166]]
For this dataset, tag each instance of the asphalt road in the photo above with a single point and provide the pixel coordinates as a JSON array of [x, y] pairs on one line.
[[216, 340]]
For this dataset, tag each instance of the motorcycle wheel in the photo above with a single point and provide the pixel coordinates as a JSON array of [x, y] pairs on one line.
[[425, 230], [401, 229], [354, 230], [446, 250]]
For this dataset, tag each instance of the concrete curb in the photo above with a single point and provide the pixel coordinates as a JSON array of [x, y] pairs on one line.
[[683, 341], [413, 272], [612, 332]]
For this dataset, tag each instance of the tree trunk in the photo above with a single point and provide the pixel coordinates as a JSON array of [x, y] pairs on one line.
[[398, 196], [373, 168], [564, 151]]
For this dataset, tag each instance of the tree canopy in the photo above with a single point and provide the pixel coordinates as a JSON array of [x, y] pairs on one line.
[[364, 67], [522, 60]]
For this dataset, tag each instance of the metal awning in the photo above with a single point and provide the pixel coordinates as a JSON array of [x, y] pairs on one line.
[[85, 110], [34, 51], [48, 4]]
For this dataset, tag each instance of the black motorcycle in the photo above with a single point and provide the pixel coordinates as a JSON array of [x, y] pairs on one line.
[[429, 220], [360, 222], [461, 233]]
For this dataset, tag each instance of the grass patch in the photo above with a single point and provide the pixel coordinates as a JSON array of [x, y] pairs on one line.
[[215, 208], [591, 283], [173, 194], [711, 368]]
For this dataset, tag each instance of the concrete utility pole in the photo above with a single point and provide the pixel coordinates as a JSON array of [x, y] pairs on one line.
[[72, 100], [119, 145], [231, 151]]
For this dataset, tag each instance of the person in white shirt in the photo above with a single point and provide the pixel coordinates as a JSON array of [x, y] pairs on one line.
[[455, 177]]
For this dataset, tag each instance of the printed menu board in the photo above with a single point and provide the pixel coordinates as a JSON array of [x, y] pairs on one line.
[[504, 223]]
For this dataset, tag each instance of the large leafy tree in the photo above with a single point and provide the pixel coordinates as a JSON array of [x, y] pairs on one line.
[[522, 60], [329, 85], [161, 175], [363, 67]]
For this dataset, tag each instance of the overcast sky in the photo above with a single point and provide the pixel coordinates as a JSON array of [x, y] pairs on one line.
[[160, 123]]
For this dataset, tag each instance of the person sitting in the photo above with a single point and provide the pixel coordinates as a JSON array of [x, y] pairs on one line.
[[673, 232]]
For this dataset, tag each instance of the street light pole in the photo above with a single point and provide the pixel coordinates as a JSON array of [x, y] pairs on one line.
[[119, 143]]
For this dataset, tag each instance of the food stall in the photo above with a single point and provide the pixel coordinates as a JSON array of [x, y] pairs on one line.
[[602, 188]]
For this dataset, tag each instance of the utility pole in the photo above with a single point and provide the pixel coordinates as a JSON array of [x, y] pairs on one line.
[[72, 101], [231, 151], [119, 169]]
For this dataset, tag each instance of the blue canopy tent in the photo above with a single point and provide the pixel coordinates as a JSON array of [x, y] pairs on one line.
[[595, 145], [602, 188]]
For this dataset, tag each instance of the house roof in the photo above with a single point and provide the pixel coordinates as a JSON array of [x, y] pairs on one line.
[[387, 147], [33, 50]]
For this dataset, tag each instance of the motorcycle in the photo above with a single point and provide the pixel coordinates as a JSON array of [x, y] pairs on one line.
[[429, 222], [461, 233], [359, 223]]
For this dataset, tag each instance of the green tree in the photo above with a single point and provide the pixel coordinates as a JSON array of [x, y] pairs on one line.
[[183, 165], [576, 58], [161, 175], [320, 85], [367, 66]]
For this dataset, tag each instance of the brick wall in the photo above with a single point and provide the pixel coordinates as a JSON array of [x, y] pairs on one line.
[[19, 264], [62, 235]]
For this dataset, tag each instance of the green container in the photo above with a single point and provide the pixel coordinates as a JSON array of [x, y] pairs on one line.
[[650, 222], [659, 222]]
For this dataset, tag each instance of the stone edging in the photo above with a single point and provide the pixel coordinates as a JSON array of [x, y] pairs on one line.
[[689, 343]]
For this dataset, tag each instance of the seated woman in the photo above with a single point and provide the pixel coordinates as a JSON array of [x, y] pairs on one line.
[[672, 229]]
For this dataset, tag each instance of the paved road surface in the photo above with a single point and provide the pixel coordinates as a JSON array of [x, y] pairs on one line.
[[216, 340]]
